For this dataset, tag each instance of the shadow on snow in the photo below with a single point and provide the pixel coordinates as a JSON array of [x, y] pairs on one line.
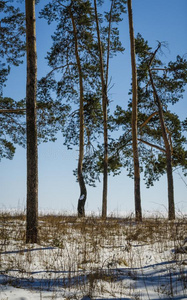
[[154, 276]]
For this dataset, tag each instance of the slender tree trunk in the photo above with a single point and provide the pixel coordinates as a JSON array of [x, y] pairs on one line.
[[138, 210], [32, 150], [83, 191], [105, 125], [105, 170], [171, 204]]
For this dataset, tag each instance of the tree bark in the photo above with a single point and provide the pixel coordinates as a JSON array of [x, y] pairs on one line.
[[83, 191], [105, 125], [32, 150], [171, 204], [138, 210], [105, 169]]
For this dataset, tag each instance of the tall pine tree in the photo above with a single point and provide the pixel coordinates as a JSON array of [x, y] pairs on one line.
[[137, 195], [31, 121], [73, 57], [165, 85], [108, 45]]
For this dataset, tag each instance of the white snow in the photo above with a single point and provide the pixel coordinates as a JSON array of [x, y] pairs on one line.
[[91, 259], [82, 197]]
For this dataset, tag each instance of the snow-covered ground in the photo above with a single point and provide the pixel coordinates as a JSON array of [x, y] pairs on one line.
[[93, 259]]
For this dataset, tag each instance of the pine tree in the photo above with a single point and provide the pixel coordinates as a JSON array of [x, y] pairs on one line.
[[137, 195], [31, 121], [156, 123], [170, 81], [107, 46], [72, 55]]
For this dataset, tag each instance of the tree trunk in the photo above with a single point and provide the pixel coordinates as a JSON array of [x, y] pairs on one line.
[[32, 150], [105, 170], [171, 205], [138, 210], [105, 125], [83, 191]]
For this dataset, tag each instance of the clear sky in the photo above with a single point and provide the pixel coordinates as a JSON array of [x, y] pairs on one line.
[[163, 20]]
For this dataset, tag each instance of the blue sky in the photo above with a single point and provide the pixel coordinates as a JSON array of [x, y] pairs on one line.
[[163, 20]]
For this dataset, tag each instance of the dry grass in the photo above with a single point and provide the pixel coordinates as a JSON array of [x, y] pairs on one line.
[[91, 255]]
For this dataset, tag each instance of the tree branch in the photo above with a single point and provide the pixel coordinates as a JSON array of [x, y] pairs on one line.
[[152, 145], [159, 69], [57, 68], [153, 56], [14, 111], [13, 120], [149, 118]]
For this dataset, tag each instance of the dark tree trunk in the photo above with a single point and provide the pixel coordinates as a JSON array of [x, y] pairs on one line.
[[171, 204], [105, 125], [32, 150], [83, 195], [105, 169], [83, 191], [137, 195]]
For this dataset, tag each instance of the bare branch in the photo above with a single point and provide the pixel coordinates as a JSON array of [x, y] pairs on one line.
[[152, 145], [149, 118], [61, 4], [153, 56], [12, 111], [57, 68]]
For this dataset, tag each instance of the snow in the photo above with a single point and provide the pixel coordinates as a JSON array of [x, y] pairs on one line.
[[82, 197], [90, 259]]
